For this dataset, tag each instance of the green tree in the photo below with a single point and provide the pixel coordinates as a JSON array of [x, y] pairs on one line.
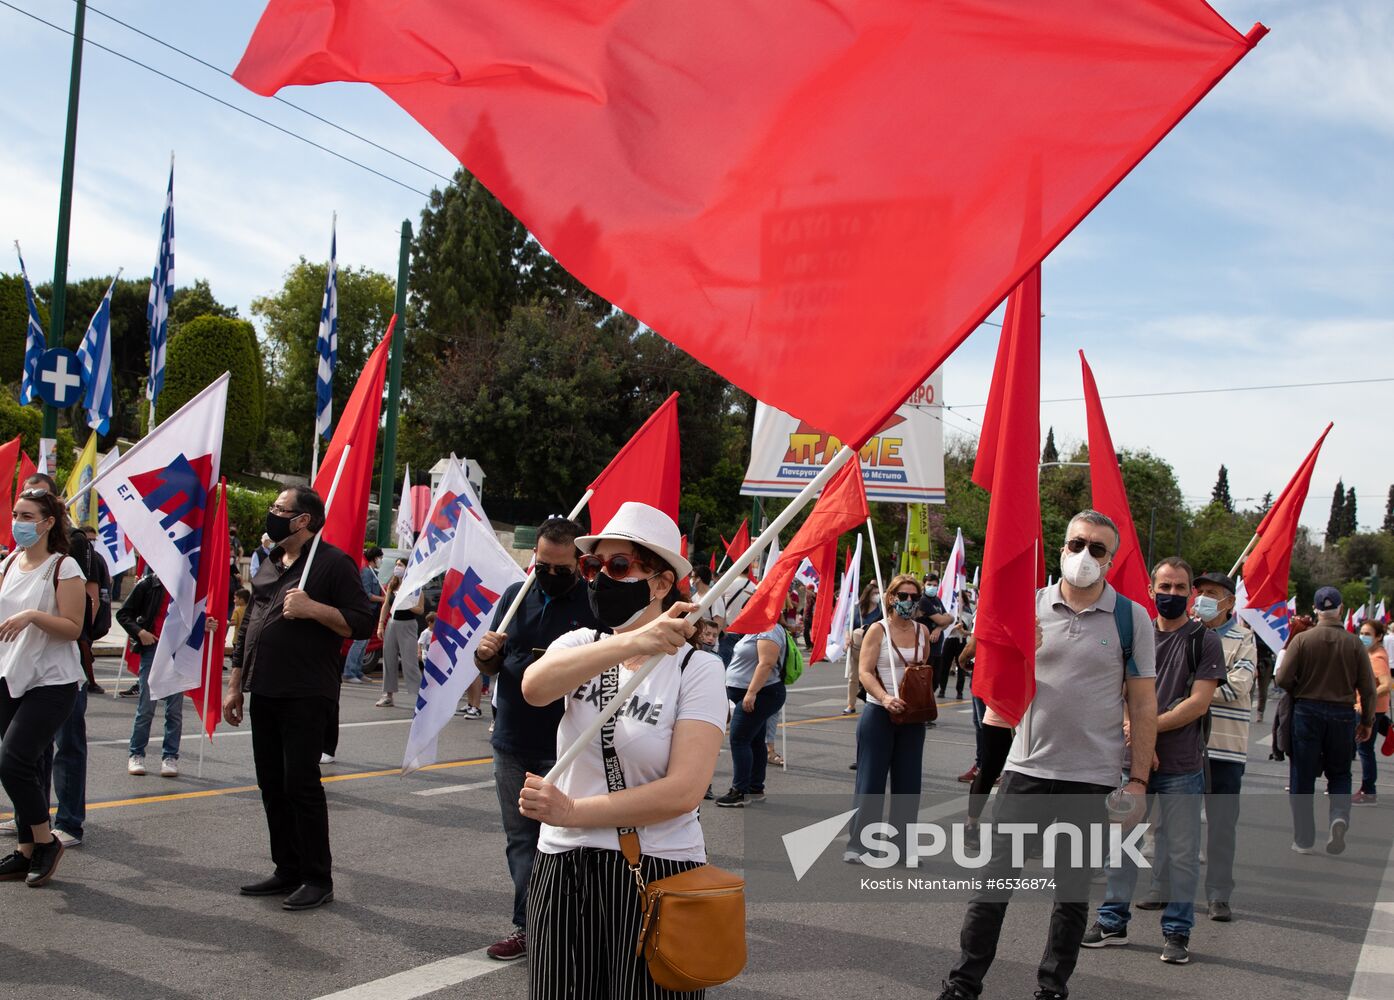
[[1336, 522], [291, 323], [1266, 504], [1050, 453], [1220, 494], [1388, 527], [201, 350], [14, 324], [1351, 523], [195, 301]]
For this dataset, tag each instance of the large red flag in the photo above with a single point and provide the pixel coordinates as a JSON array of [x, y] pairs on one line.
[[647, 469], [214, 565], [9, 468], [346, 520], [1266, 568], [842, 507], [1129, 573], [27, 467], [1004, 674], [754, 180], [824, 561]]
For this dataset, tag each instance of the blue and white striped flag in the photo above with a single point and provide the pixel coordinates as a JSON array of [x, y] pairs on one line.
[[161, 296], [34, 342], [328, 344], [95, 354]]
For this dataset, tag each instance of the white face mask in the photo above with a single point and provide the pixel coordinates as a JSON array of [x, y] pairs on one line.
[[1080, 569]]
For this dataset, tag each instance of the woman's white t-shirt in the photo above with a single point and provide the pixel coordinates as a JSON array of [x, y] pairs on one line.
[[886, 661], [643, 740], [36, 659]]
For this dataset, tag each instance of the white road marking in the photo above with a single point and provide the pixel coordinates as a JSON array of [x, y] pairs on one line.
[[424, 979], [1265, 741], [800, 689], [1374, 970], [247, 731], [447, 789]]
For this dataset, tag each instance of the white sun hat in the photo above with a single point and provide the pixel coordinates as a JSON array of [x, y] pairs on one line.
[[647, 526]]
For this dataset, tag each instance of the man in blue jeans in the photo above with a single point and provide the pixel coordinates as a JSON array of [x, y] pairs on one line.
[[1190, 665], [141, 616], [372, 586], [1323, 670], [525, 736]]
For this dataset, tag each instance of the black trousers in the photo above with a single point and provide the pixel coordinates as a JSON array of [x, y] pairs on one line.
[[287, 738], [1025, 799], [28, 725]]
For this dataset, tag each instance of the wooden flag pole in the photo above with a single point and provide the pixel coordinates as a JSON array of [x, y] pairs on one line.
[[713, 594], [333, 488], [881, 590]]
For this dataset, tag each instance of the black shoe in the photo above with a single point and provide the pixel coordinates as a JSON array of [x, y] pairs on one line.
[[952, 992], [1220, 912], [852, 766], [1098, 936], [1152, 901], [732, 800], [13, 867], [92, 687], [709, 796], [972, 838], [43, 863], [1047, 994], [1177, 950], [1337, 843], [273, 886], [308, 897], [130, 692]]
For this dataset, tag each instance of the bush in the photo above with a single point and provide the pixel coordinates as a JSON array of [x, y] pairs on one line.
[[14, 325], [201, 350], [246, 512]]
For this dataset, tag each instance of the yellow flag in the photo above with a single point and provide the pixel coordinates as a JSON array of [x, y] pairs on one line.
[[917, 538], [83, 511]]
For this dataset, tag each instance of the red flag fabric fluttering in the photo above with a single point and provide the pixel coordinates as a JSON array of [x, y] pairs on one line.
[[27, 467], [1266, 568], [824, 561], [713, 564], [740, 541], [9, 461], [842, 507], [703, 180], [1129, 574], [214, 564], [346, 519], [647, 469], [1004, 674]]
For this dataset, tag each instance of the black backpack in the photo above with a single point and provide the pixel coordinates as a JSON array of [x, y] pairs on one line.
[[101, 576]]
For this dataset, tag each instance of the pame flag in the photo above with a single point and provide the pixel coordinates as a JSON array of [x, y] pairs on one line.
[[431, 553], [158, 492], [112, 542], [478, 570]]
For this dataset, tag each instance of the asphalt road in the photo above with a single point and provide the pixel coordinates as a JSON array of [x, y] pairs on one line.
[[148, 908]]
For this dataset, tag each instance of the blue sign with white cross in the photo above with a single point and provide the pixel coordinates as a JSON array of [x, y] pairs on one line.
[[60, 378]]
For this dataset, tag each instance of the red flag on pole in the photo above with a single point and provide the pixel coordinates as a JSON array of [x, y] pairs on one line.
[[1266, 569], [27, 467], [842, 507], [824, 561], [346, 520], [1129, 573], [1004, 674], [701, 178], [713, 564], [214, 566], [647, 469], [9, 461], [740, 541]]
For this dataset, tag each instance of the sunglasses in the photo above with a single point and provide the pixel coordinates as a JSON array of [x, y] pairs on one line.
[[906, 595], [552, 569], [33, 493], [617, 567], [1096, 549]]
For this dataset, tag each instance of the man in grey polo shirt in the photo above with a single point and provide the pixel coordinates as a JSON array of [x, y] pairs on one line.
[[1068, 750]]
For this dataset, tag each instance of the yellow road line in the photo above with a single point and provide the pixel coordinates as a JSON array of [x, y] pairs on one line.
[[836, 718], [210, 792]]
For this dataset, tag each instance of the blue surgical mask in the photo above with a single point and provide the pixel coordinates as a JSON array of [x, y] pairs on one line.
[[1207, 608], [1367, 640], [26, 533]]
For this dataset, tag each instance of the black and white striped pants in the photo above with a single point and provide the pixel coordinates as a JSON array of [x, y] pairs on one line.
[[583, 921]]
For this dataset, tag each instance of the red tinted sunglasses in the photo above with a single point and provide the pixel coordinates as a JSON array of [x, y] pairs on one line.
[[617, 567]]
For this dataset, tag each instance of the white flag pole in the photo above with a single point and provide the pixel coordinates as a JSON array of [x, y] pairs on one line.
[[783, 740], [713, 594], [314, 459], [512, 611], [881, 590], [333, 488]]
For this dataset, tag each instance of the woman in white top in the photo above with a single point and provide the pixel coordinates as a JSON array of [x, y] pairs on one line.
[[883, 747], [41, 610], [583, 905]]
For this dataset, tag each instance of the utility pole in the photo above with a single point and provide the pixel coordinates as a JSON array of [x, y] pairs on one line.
[[49, 434], [394, 392]]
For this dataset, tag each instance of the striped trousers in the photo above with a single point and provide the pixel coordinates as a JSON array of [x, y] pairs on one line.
[[583, 922]]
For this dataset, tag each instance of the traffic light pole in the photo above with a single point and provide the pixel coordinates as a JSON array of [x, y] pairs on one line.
[[394, 392]]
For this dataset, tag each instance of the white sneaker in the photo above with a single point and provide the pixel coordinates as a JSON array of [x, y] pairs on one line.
[[472, 713], [8, 827], [325, 758], [384, 702], [67, 839], [136, 765], [169, 768]]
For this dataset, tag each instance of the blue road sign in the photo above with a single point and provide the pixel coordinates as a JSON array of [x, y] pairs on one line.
[[60, 378]]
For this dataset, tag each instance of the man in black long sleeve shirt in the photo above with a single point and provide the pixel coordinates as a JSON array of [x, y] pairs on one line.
[[286, 656], [525, 736]]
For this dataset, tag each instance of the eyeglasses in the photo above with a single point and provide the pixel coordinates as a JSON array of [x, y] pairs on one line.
[[276, 508], [1096, 549], [906, 595], [617, 567], [553, 569]]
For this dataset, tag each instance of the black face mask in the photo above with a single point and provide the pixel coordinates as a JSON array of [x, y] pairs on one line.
[[278, 527], [616, 604], [1171, 606], [555, 584]]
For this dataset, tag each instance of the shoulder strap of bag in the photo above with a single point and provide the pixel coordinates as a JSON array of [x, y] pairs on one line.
[[614, 773], [57, 565], [1123, 619]]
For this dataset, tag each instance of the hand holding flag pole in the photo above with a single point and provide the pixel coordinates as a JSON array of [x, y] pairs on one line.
[[731, 577]]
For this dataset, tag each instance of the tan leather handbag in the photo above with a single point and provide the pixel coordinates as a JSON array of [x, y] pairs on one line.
[[916, 686]]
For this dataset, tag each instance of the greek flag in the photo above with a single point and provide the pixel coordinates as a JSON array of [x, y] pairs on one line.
[[95, 354], [328, 345], [34, 342], [161, 295]]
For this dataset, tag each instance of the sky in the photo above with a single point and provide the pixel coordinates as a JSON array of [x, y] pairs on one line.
[[1253, 247]]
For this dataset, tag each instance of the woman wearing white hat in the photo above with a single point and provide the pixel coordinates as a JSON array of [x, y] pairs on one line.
[[583, 910]]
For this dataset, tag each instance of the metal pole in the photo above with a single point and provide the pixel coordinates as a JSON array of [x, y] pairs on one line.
[[394, 391], [65, 211]]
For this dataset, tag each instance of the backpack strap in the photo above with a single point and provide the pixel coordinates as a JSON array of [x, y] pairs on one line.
[[1123, 619], [683, 664]]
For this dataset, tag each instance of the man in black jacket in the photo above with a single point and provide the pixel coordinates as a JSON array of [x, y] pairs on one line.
[[142, 616], [525, 736], [287, 657]]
